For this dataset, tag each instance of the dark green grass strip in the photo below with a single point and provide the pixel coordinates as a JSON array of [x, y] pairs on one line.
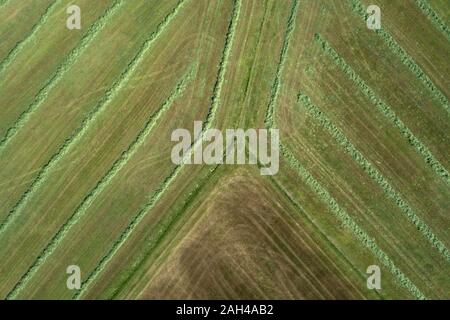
[[100, 186], [34, 30], [373, 173], [109, 96], [68, 62], [165, 184], [405, 58], [269, 119], [433, 17], [348, 222], [421, 149]]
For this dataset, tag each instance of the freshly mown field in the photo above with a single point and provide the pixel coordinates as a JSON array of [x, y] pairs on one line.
[[86, 175]]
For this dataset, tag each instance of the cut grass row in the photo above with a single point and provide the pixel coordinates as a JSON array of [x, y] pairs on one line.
[[161, 231], [89, 198], [99, 108], [371, 170], [21, 44], [346, 220], [269, 120], [215, 100], [427, 156], [61, 70], [434, 17], [326, 238], [349, 223], [405, 58]]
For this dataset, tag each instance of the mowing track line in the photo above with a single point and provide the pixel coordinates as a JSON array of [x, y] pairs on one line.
[[371, 170], [406, 59], [215, 99], [91, 117], [69, 60], [421, 149], [101, 185]]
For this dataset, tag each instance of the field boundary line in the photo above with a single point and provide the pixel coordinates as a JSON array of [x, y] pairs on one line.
[[348, 222], [374, 173], [122, 79], [102, 184], [62, 68], [34, 30], [405, 58], [270, 113], [165, 184], [385, 109], [435, 19]]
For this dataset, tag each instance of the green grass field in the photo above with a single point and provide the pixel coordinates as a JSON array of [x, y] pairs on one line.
[[86, 117]]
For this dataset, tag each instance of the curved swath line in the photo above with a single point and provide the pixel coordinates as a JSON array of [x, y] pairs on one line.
[[350, 224], [323, 194], [69, 60], [117, 86], [406, 59], [269, 119], [100, 186], [34, 30], [433, 17], [421, 149], [373, 172], [215, 99]]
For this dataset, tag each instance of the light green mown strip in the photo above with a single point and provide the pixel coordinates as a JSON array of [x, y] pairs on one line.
[[374, 174], [215, 100], [427, 156], [34, 30], [69, 60], [112, 92], [433, 17], [269, 119], [407, 60], [348, 222], [100, 187]]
